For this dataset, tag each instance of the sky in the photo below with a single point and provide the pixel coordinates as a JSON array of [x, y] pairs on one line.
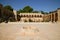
[[39, 5]]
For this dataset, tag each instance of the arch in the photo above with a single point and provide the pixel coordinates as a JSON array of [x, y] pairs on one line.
[[56, 17], [40, 15]]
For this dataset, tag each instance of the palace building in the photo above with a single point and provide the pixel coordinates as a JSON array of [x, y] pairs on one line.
[[31, 17], [53, 16]]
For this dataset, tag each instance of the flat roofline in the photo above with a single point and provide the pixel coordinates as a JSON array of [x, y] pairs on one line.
[[30, 14]]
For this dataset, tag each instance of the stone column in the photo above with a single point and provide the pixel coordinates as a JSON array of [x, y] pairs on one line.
[[54, 16], [58, 11], [51, 17], [15, 13]]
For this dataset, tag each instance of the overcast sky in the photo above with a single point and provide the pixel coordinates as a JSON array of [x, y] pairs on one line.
[[44, 5]]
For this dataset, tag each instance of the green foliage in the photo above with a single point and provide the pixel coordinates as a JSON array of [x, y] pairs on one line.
[[27, 9], [20, 11], [1, 5], [8, 7], [35, 11], [44, 12], [6, 14]]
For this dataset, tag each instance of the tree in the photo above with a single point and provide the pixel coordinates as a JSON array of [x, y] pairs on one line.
[[9, 13], [6, 14], [44, 12], [35, 11], [27, 9], [8, 7], [1, 7], [20, 11]]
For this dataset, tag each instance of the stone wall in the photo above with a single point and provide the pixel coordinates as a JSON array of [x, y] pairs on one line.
[[54, 16], [58, 11]]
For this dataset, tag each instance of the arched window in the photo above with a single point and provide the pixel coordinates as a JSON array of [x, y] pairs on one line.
[[26, 15], [34, 15], [22, 16], [29, 15], [52, 17], [56, 17], [37, 15], [40, 15]]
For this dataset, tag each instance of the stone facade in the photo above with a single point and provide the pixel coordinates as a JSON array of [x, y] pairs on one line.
[[53, 16], [31, 17], [15, 13], [47, 17], [58, 11]]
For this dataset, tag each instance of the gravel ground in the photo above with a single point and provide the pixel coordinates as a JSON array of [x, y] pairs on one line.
[[29, 31]]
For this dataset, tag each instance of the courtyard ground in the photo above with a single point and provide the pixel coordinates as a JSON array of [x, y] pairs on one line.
[[29, 31]]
